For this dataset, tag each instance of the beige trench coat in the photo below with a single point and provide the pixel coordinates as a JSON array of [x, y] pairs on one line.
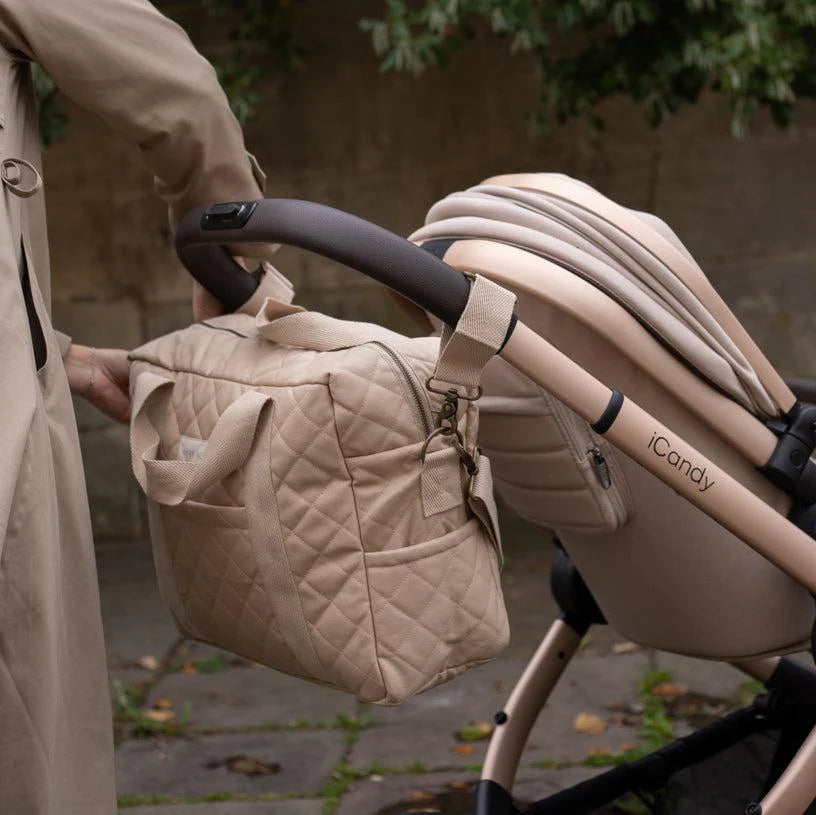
[[139, 72]]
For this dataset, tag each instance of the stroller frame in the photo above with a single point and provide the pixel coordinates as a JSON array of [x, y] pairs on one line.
[[789, 704], [441, 290]]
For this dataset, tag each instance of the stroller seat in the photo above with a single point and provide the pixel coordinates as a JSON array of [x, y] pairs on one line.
[[617, 292]]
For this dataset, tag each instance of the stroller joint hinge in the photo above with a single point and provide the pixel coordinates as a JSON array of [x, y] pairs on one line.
[[789, 467]]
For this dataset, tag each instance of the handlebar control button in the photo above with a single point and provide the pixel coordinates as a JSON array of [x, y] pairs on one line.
[[229, 215]]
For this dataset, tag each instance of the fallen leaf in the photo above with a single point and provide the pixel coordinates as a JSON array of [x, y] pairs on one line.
[[246, 765], [626, 647], [475, 731], [161, 716], [627, 747], [189, 668], [589, 724], [669, 690], [148, 662], [163, 704], [464, 750], [600, 751], [624, 719], [420, 796]]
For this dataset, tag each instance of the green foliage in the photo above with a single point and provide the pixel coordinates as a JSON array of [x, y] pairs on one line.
[[657, 729], [662, 53], [757, 54], [128, 700], [53, 121], [258, 30]]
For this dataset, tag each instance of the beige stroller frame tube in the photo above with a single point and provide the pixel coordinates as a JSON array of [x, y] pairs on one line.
[[528, 697], [669, 458]]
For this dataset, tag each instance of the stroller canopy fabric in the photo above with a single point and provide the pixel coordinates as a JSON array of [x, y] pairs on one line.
[[581, 239]]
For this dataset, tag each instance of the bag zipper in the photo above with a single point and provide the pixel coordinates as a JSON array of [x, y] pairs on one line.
[[601, 468], [409, 376], [418, 392]]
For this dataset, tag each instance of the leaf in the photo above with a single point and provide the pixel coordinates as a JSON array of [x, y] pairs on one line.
[[163, 704], [161, 716], [463, 750], [669, 690], [148, 662], [420, 796], [247, 765], [475, 731], [626, 647], [600, 751], [589, 724]]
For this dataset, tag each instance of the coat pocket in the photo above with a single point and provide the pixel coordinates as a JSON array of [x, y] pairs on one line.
[[38, 342]]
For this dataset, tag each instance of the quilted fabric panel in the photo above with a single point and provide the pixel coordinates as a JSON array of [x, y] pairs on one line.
[[437, 608], [376, 408], [394, 518], [322, 537], [211, 553]]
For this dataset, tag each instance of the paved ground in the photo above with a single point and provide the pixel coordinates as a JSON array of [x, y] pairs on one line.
[[203, 733]]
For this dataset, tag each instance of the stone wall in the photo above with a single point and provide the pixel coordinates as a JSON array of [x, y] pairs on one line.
[[386, 147]]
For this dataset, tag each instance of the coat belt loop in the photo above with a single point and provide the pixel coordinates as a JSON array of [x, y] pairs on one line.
[[11, 174]]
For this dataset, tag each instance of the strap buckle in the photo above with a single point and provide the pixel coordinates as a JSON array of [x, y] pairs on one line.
[[451, 391]]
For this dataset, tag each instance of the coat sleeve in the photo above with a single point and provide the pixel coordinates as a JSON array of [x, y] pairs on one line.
[[137, 70]]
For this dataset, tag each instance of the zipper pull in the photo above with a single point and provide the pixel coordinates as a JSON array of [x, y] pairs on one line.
[[601, 468]]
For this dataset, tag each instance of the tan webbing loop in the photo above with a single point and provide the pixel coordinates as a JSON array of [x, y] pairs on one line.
[[479, 334], [275, 287], [315, 331], [483, 502]]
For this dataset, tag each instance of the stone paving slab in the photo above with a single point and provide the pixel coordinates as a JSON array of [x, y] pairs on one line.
[[702, 675], [449, 793], [198, 766], [250, 697], [423, 729], [312, 806]]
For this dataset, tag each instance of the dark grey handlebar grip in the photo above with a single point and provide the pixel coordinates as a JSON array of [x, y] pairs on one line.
[[397, 263]]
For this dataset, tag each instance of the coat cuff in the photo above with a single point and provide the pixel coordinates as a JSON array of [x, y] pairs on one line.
[[257, 173], [63, 342]]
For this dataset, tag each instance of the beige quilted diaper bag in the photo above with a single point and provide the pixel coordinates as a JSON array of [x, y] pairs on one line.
[[313, 505]]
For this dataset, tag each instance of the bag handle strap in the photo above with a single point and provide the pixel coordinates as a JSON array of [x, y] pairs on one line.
[[172, 482], [464, 350], [314, 331], [272, 286]]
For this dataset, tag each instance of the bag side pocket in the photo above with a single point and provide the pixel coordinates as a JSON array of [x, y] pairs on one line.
[[438, 609]]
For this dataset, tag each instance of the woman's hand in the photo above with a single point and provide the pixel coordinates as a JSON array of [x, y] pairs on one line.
[[102, 376]]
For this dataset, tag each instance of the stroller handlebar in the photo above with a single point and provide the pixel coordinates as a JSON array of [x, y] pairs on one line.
[[397, 263]]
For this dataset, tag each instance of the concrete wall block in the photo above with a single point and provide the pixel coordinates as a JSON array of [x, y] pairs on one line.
[[114, 496], [116, 324]]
